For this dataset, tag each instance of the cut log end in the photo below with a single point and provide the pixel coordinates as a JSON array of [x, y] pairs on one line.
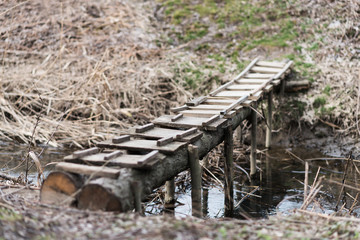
[[96, 197], [59, 188]]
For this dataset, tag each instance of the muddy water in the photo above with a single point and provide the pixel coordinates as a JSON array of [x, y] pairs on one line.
[[280, 188], [12, 159]]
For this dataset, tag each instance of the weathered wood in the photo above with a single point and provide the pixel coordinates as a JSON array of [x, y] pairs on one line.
[[113, 154], [195, 171], [95, 171], [270, 64], [294, 86], [206, 113], [233, 94], [237, 87], [158, 133], [208, 107], [269, 121], [121, 139], [60, 188], [144, 128], [219, 101], [221, 88], [229, 171], [251, 81], [86, 152], [169, 167], [259, 75], [211, 120], [170, 191], [124, 160], [196, 101], [189, 122], [186, 133], [136, 187], [265, 70], [177, 117], [141, 145], [253, 142], [178, 109], [164, 141]]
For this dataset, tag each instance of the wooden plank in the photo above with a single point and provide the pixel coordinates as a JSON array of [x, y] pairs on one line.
[[186, 133], [178, 109], [251, 81], [233, 94], [121, 139], [200, 113], [96, 171], [144, 128], [210, 120], [177, 117], [143, 145], [158, 133], [259, 75], [270, 64], [265, 70], [219, 101], [125, 160], [196, 101], [189, 122], [268, 88], [113, 154], [164, 141], [83, 153], [237, 87], [208, 107]]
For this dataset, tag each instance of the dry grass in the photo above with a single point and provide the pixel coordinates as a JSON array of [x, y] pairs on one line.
[[86, 68]]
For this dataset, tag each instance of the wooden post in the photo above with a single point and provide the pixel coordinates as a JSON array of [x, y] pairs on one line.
[[195, 171], [229, 171], [170, 192], [136, 185], [253, 141], [269, 121], [282, 88]]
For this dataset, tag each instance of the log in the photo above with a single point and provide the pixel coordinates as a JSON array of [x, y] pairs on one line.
[[295, 86], [60, 188]]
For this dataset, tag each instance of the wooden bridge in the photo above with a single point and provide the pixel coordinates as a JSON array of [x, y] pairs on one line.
[[118, 174]]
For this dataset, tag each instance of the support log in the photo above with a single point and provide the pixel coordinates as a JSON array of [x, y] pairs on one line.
[[229, 171], [253, 141], [195, 171], [269, 121], [170, 191]]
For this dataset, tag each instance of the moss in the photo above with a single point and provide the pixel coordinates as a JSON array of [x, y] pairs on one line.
[[327, 90], [319, 101]]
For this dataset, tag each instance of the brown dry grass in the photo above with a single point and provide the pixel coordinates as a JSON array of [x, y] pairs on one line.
[[87, 68]]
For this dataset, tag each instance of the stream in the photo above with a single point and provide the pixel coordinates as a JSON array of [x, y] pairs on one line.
[[279, 190]]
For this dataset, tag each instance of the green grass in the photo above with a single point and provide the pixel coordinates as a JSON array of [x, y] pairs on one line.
[[319, 102]]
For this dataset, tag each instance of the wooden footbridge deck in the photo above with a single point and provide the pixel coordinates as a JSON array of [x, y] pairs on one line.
[[118, 173]]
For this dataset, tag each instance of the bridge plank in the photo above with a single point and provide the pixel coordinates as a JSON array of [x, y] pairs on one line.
[[259, 75], [189, 122], [88, 170], [270, 64], [265, 70], [124, 160], [143, 145], [236, 87], [158, 133]]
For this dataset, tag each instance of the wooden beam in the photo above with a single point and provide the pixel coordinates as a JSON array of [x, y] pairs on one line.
[[144, 128], [177, 117], [253, 141], [269, 121], [196, 101], [164, 141], [246, 70], [270, 64], [86, 152], [121, 139], [113, 155], [178, 109], [95, 171], [211, 120]]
